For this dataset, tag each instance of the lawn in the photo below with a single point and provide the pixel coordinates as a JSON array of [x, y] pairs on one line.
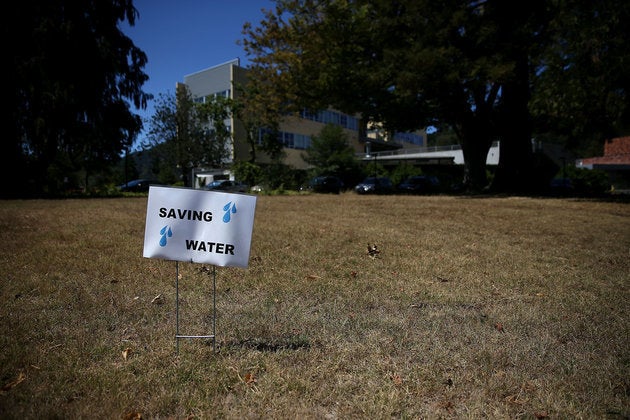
[[495, 307]]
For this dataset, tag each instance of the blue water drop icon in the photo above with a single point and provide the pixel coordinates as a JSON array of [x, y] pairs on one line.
[[164, 232], [229, 207]]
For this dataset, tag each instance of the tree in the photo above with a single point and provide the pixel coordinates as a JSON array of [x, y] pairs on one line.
[[186, 135], [259, 113], [473, 66], [582, 86], [331, 154], [162, 137], [214, 144], [69, 84], [444, 137], [403, 64]]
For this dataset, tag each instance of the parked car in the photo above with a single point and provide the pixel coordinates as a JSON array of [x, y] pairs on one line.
[[325, 184], [374, 185], [138, 185], [227, 185], [561, 186], [257, 189], [419, 184]]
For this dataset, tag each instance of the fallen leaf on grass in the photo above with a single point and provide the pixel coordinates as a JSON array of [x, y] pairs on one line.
[[126, 353], [132, 416], [516, 400], [499, 327], [446, 405], [541, 415], [397, 380], [373, 251], [249, 379], [7, 387]]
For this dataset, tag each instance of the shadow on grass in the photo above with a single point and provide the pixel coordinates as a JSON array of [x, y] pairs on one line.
[[604, 197], [270, 345]]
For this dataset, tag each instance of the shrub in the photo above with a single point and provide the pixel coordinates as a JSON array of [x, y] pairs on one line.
[[404, 171], [588, 181]]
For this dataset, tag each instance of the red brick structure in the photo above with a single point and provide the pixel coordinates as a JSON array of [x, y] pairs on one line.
[[616, 152], [615, 162]]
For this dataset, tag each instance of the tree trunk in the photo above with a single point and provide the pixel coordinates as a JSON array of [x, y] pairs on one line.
[[515, 173], [476, 139]]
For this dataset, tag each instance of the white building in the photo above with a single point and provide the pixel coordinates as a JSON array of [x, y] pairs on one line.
[[295, 132]]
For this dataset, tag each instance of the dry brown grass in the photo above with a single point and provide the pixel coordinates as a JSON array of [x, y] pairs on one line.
[[476, 307]]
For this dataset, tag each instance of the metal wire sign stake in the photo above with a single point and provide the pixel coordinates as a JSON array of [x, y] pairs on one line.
[[214, 311], [198, 226]]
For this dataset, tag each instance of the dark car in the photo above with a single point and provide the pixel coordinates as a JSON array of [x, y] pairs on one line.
[[561, 186], [374, 185], [326, 184], [226, 185], [419, 184], [138, 185]]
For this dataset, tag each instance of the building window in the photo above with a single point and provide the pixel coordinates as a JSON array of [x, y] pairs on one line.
[[288, 140], [412, 138], [209, 98], [301, 141], [332, 117]]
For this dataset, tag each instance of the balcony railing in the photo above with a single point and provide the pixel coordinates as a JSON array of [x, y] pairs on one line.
[[417, 150]]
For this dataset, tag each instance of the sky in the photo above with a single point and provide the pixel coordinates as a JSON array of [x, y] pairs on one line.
[[181, 37]]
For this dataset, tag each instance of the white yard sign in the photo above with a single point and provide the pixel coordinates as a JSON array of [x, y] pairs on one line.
[[199, 226]]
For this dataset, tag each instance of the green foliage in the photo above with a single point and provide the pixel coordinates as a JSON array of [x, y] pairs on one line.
[[247, 172], [71, 80], [214, 136], [184, 134], [269, 144], [373, 168], [587, 181], [443, 136], [278, 176], [330, 153], [274, 178], [404, 171], [583, 85], [259, 113], [472, 66]]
